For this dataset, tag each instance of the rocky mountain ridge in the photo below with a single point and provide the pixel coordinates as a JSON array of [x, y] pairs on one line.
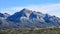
[[28, 19]]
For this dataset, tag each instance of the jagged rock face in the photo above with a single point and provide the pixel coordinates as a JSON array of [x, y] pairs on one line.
[[23, 13], [16, 17], [2, 15], [52, 20], [32, 16], [6, 14], [29, 19]]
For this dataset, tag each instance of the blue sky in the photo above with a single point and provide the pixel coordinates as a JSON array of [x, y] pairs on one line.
[[12, 3], [51, 7]]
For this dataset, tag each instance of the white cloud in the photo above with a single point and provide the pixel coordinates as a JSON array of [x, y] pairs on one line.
[[52, 9]]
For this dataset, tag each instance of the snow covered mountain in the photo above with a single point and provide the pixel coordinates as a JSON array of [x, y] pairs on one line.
[[29, 19]]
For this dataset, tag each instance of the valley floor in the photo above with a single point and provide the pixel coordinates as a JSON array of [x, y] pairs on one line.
[[40, 31]]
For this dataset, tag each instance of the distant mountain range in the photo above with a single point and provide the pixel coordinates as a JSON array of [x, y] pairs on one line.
[[28, 19]]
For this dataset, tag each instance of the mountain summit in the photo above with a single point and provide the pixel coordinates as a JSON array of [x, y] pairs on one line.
[[18, 15]]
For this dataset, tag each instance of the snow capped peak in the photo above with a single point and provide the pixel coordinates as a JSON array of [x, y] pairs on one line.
[[24, 12], [25, 9], [27, 12]]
